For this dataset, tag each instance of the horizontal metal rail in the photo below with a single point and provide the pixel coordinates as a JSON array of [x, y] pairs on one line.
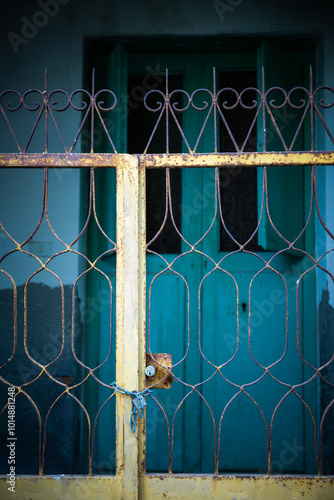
[[223, 487], [106, 160]]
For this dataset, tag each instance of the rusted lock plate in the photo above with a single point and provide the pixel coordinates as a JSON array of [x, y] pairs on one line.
[[161, 379]]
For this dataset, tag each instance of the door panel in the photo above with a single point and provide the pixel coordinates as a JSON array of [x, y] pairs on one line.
[[167, 332]]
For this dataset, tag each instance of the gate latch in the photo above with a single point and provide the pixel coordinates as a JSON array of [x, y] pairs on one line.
[[158, 374]]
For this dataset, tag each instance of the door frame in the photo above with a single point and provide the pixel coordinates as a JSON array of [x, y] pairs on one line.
[[121, 64]]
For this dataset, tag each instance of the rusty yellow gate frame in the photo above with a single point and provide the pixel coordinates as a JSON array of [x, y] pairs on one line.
[[130, 480]]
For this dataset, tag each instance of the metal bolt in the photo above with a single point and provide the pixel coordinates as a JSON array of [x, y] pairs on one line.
[[149, 371]]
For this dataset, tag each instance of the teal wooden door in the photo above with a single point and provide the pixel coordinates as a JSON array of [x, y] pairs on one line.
[[222, 313], [232, 330]]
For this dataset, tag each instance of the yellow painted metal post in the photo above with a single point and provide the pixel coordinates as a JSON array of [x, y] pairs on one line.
[[142, 305], [129, 284]]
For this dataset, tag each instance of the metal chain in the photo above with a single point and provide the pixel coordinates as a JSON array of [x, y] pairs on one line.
[[138, 402]]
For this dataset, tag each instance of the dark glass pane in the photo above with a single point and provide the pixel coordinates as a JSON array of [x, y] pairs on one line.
[[141, 121], [238, 187], [141, 124], [239, 119], [168, 240], [238, 191]]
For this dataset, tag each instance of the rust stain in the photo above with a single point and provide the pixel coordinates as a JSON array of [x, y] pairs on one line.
[[66, 380], [162, 379]]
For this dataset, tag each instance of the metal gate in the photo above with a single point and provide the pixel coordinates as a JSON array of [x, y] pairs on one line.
[[133, 388]]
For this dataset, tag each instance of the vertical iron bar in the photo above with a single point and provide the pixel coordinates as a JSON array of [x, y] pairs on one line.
[[263, 111], [167, 113], [311, 109], [142, 306], [46, 104], [92, 115], [129, 283], [215, 108]]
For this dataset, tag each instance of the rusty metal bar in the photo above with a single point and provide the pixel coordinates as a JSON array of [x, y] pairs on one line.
[[180, 487], [58, 160], [238, 159], [141, 308], [239, 486], [130, 280], [106, 160]]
